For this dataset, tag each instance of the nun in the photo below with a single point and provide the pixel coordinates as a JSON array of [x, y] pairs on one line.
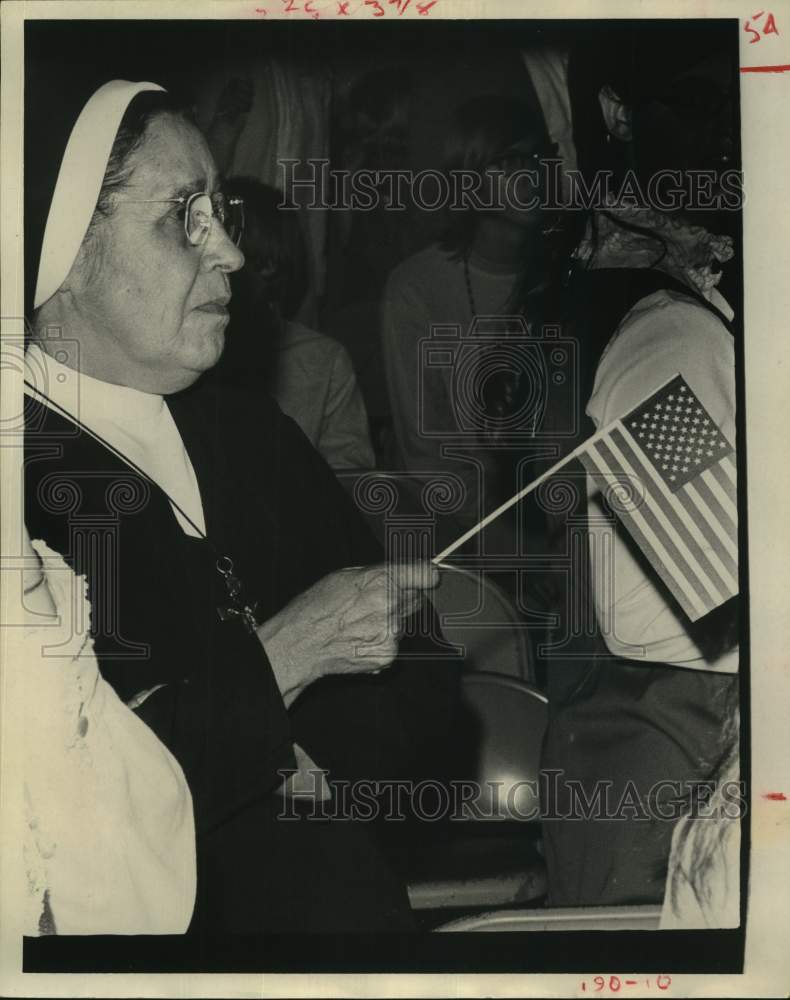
[[240, 605]]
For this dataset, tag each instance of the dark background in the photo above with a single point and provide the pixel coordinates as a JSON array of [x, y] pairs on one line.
[[425, 69]]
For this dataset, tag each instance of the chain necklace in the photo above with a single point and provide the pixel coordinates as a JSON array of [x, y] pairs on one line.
[[472, 306], [469, 293], [237, 608]]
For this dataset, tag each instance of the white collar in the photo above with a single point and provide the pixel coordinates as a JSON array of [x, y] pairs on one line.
[[714, 296], [84, 397], [137, 425]]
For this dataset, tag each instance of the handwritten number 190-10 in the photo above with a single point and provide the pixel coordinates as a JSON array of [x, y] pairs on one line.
[[614, 984]]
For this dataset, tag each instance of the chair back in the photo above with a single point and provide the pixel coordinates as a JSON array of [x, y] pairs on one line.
[[478, 616], [504, 721]]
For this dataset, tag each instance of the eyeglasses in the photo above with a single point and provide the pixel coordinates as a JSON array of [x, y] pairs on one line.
[[200, 210]]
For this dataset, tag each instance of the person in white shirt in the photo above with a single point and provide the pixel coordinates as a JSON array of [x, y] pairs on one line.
[[645, 715], [491, 264]]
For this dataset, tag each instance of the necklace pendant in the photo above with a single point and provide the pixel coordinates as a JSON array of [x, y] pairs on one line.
[[249, 618], [246, 615], [236, 609]]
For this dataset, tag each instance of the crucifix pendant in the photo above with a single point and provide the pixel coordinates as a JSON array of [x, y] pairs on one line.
[[237, 608], [245, 614]]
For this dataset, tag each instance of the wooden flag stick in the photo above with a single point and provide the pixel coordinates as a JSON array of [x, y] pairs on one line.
[[534, 485], [519, 496]]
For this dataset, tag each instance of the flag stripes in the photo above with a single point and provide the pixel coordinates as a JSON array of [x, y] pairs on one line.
[[726, 481], [700, 490], [665, 529], [689, 535], [727, 504], [644, 537], [716, 546], [685, 521]]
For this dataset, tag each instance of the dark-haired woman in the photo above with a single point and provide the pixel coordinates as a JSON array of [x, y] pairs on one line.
[[490, 264], [641, 719]]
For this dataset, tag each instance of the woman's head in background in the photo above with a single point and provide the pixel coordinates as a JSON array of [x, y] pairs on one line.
[[268, 290], [373, 120], [274, 246], [495, 135], [655, 96]]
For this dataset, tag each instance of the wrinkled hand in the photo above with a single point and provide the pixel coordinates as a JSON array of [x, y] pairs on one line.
[[347, 623]]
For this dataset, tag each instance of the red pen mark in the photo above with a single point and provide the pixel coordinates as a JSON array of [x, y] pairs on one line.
[[423, 8], [663, 982], [260, 10], [379, 11], [766, 69], [342, 9], [631, 982], [775, 796], [289, 6], [768, 29], [309, 9]]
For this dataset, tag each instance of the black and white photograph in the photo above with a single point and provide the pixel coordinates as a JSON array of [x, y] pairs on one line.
[[394, 499]]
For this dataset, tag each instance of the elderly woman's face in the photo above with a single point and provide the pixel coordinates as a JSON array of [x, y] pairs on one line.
[[158, 303]]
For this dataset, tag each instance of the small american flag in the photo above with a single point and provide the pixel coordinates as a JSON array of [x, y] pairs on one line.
[[669, 474]]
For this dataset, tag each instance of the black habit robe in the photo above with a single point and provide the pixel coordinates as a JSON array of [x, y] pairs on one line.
[[273, 505]]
